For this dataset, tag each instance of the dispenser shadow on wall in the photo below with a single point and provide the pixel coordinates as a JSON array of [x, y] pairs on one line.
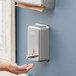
[[38, 43]]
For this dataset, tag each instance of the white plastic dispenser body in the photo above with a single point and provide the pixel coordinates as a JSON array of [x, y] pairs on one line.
[[38, 42]]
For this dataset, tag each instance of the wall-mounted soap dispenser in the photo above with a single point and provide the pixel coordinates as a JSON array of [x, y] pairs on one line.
[[38, 42]]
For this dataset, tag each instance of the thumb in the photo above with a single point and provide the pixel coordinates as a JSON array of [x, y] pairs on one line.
[[23, 67]]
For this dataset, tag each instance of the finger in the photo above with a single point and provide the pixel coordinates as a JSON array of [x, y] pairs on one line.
[[29, 67], [25, 65]]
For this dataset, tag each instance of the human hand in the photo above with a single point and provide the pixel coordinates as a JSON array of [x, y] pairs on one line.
[[16, 69]]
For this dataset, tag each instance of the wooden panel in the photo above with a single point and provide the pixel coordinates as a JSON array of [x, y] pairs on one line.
[[7, 33]]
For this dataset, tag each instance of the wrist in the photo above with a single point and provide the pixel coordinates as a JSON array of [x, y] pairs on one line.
[[7, 67], [4, 66]]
